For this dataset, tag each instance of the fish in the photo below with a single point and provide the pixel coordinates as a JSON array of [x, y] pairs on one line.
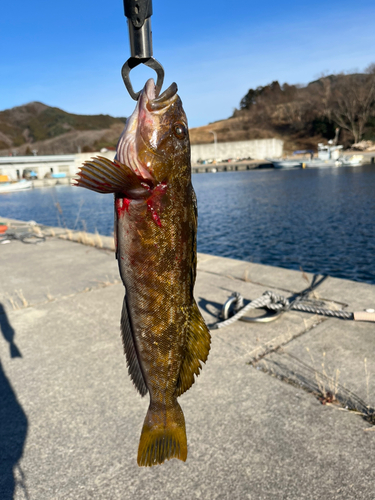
[[164, 335]]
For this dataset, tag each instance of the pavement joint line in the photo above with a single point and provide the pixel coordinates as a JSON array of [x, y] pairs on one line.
[[318, 395], [273, 348], [334, 399], [277, 343], [62, 297]]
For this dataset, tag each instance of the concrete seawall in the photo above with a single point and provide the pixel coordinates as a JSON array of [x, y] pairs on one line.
[[259, 148], [282, 410]]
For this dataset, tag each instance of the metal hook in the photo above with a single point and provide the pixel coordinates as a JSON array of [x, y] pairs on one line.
[[234, 303], [133, 62]]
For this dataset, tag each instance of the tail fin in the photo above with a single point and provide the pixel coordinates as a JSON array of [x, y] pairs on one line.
[[163, 435]]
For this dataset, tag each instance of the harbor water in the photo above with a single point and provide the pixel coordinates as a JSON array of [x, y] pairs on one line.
[[317, 220]]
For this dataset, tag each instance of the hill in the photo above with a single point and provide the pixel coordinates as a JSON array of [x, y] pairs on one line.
[[302, 116], [51, 130]]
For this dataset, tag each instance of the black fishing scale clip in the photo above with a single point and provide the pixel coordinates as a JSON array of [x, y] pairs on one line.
[[138, 13]]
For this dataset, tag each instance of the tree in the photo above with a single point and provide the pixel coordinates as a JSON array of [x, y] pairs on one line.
[[352, 100], [250, 98], [270, 94]]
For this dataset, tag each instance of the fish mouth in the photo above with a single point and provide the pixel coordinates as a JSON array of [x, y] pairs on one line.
[[165, 99], [142, 118]]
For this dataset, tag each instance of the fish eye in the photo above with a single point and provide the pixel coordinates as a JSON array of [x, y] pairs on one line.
[[179, 130]]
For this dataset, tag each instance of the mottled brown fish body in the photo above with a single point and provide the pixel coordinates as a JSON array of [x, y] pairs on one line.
[[164, 335], [159, 296]]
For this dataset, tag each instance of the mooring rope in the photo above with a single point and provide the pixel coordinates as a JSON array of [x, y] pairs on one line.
[[26, 236], [276, 302]]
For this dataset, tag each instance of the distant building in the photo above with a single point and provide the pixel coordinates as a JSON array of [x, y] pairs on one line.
[[15, 167], [258, 149]]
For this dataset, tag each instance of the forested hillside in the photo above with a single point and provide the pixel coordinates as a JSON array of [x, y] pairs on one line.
[[51, 130], [302, 116]]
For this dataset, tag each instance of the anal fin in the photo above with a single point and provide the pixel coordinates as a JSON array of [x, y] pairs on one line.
[[197, 349], [132, 360]]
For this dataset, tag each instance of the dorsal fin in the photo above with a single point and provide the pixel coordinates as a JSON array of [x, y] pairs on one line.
[[131, 353], [105, 176], [197, 348]]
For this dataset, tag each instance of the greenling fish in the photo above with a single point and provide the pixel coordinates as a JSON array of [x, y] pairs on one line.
[[164, 335]]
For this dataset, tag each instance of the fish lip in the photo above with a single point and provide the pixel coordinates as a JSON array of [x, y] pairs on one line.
[[148, 104], [152, 104], [167, 97]]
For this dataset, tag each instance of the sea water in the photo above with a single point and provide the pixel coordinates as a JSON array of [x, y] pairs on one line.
[[318, 220]]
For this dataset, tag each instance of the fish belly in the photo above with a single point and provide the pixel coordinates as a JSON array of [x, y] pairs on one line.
[[155, 262]]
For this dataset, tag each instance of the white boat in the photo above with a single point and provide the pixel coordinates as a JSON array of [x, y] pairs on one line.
[[321, 163], [352, 161], [9, 187], [285, 163], [328, 156], [292, 162]]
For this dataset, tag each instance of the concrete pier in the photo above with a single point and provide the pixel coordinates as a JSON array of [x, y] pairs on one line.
[[229, 167], [257, 428]]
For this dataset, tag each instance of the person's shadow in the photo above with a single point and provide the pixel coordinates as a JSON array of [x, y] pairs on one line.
[[13, 422]]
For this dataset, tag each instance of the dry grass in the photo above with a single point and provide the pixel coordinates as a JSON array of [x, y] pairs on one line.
[[107, 282], [37, 231], [321, 382], [22, 298], [247, 275], [327, 383], [304, 275], [98, 239], [17, 300], [13, 303], [88, 239], [367, 381]]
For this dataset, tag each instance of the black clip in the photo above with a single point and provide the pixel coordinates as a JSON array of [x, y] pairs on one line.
[[152, 63]]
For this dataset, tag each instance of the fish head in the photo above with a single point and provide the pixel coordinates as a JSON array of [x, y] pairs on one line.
[[155, 143]]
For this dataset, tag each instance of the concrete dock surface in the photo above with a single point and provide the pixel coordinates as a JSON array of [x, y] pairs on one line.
[[281, 410]]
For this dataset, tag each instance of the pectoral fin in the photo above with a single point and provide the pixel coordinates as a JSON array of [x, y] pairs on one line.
[[197, 349], [104, 176]]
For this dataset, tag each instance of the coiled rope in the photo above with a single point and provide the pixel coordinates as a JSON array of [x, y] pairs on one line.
[[275, 302], [26, 236]]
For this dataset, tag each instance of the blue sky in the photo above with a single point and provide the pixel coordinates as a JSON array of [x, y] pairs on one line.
[[69, 54]]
